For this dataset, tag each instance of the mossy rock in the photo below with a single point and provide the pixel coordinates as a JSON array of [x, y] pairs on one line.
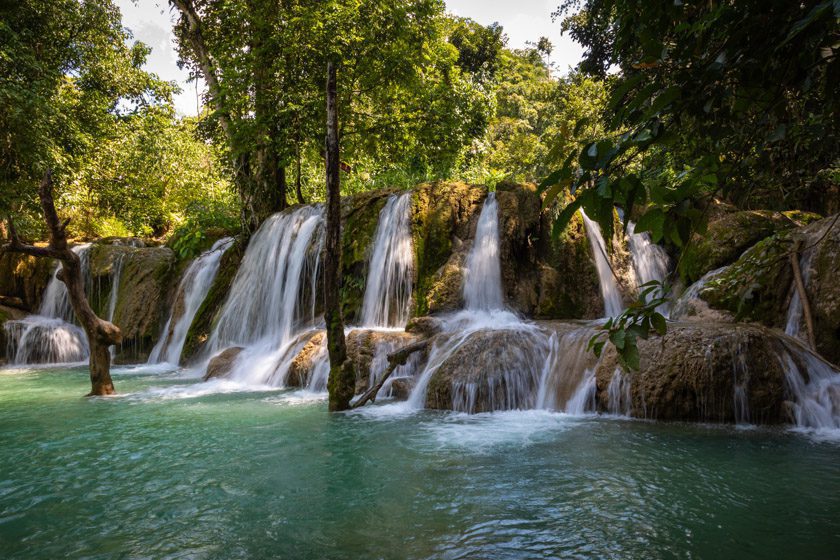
[[443, 214], [25, 278], [755, 287], [569, 286], [729, 236], [207, 314], [359, 218], [693, 372], [519, 229], [758, 287]]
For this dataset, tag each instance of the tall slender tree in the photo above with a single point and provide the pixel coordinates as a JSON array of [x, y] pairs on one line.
[[342, 379]]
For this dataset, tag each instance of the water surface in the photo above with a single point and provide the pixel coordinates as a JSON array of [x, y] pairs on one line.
[[175, 469]]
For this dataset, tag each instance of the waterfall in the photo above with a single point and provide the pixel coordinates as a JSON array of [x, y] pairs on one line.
[[618, 394], [50, 336], [113, 296], [815, 386], [44, 340], [482, 292], [56, 301], [390, 275], [650, 261], [609, 287], [690, 303], [483, 278], [192, 289], [568, 378], [271, 297]]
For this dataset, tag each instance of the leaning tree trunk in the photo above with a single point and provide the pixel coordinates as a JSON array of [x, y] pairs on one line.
[[342, 381], [101, 334]]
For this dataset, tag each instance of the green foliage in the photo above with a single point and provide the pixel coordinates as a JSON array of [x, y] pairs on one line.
[[736, 92], [206, 220], [67, 76], [639, 320]]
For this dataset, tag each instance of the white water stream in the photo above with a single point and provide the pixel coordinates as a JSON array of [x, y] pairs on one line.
[[192, 290], [387, 298], [609, 287]]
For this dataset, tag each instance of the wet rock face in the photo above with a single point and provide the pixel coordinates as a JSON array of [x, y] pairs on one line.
[[695, 371], [222, 364], [147, 277], [23, 279], [730, 235], [442, 215]]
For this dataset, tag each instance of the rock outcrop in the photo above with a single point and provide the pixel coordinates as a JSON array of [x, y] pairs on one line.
[[759, 286], [146, 275], [732, 233]]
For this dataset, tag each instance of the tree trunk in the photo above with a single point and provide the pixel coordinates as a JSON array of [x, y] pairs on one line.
[[342, 380], [298, 190], [101, 334]]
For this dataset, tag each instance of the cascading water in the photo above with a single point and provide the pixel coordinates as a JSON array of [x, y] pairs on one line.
[[56, 301], [483, 278], [568, 378], [815, 386], [609, 287], [50, 336], [114, 295], [618, 394], [192, 290], [689, 303], [270, 299], [650, 261], [390, 275], [510, 381]]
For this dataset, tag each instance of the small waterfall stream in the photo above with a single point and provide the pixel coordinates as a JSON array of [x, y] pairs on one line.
[[609, 287], [271, 298], [192, 289], [650, 261], [483, 278], [390, 275]]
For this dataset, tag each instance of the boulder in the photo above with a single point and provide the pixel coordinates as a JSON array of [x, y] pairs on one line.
[[313, 350], [759, 286], [487, 370], [221, 364]]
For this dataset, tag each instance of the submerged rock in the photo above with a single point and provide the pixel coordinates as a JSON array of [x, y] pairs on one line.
[[221, 364]]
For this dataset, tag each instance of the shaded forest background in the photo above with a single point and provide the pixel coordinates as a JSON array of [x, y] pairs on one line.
[[672, 106]]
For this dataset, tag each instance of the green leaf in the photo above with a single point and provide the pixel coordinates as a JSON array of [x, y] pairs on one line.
[[565, 217], [659, 323], [652, 221]]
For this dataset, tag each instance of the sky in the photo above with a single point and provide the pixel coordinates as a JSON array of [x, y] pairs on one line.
[[151, 21]]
